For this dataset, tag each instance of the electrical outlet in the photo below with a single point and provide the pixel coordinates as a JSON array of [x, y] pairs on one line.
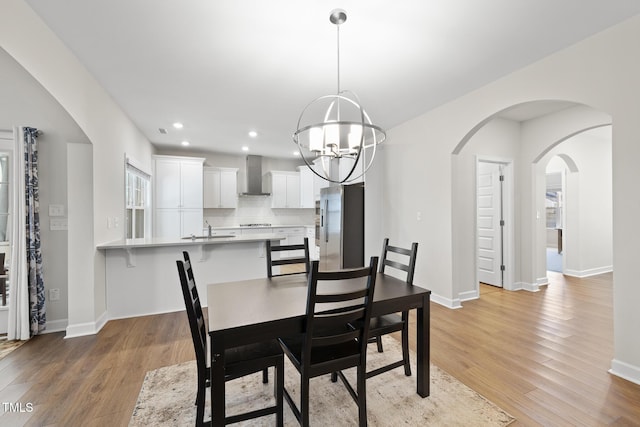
[[54, 294]]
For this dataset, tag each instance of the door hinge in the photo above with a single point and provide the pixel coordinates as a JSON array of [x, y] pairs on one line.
[[501, 177], [502, 223], [502, 268]]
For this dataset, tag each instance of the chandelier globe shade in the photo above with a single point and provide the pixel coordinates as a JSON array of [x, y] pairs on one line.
[[335, 136]]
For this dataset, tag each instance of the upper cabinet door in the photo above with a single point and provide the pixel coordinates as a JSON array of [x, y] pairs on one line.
[[278, 190], [229, 189], [220, 187], [307, 199], [293, 191], [191, 182], [211, 188], [167, 184]]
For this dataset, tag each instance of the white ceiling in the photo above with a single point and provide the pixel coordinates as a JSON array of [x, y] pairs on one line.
[[225, 67]]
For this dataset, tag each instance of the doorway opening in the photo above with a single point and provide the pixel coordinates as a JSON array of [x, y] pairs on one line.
[[554, 217], [493, 222]]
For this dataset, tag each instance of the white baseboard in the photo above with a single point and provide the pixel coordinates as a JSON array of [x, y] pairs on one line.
[[469, 295], [447, 302], [55, 326], [625, 370], [542, 281], [524, 286], [589, 272], [89, 328]]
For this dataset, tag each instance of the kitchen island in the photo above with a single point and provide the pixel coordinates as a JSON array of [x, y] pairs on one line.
[[142, 278]]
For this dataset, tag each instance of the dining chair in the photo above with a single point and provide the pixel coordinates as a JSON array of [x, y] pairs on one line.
[[239, 361], [390, 323], [330, 343], [301, 260]]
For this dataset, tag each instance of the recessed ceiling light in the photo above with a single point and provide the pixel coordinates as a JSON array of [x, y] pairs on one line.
[[296, 153], [245, 148], [253, 133], [178, 125], [185, 143]]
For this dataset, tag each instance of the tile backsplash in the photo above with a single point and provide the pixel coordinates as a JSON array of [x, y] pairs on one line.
[[255, 209]]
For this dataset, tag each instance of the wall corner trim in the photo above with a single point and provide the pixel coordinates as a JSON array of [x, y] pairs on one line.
[[625, 370], [89, 328]]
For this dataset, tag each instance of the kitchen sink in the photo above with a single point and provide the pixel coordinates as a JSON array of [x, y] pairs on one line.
[[216, 236]]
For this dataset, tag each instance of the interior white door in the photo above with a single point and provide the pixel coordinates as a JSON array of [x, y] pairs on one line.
[[490, 223]]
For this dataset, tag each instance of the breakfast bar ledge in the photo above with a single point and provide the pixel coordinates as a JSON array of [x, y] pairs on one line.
[[141, 278]]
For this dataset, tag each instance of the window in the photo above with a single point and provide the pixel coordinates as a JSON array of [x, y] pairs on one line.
[[137, 190]]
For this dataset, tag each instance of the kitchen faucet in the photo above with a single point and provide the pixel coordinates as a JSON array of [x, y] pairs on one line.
[[209, 227]]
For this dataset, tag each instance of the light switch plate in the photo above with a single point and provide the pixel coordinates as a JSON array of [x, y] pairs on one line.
[[56, 210]]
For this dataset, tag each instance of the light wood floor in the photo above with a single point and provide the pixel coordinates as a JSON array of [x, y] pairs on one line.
[[541, 356]]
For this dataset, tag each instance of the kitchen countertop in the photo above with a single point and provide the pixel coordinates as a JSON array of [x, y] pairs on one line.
[[243, 227], [162, 242]]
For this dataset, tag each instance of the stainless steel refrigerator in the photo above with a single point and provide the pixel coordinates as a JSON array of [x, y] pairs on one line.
[[341, 238]]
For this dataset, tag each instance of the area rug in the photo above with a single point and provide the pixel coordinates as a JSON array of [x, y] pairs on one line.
[[7, 347], [168, 394]]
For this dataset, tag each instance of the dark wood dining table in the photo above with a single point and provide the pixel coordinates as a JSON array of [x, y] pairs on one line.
[[250, 311]]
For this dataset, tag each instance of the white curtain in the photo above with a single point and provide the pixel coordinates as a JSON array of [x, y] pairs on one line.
[[19, 325]]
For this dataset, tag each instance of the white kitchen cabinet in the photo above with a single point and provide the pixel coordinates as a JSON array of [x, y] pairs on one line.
[[311, 235], [292, 236], [220, 187], [178, 223], [256, 230], [225, 231], [307, 194], [177, 197], [284, 187], [178, 182]]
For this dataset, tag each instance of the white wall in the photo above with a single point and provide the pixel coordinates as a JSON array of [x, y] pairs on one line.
[[498, 140], [26, 103], [600, 72], [29, 41], [540, 136], [589, 237]]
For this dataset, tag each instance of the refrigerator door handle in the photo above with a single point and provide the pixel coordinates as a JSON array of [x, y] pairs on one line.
[[326, 228]]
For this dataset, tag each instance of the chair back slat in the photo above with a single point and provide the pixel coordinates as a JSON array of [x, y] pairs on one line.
[[410, 265], [324, 341], [335, 319], [343, 296], [342, 316], [197, 324], [302, 259]]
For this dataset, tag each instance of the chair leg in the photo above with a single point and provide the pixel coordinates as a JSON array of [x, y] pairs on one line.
[[200, 400], [405, 344], [265, 375], [279, 392], [362, 396], [379, 344], [304, 402]]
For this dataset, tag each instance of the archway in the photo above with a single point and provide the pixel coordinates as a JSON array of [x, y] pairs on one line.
[[585, 161], [521, 134]]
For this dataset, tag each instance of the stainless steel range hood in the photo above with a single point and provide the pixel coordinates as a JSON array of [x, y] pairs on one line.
[[254, 177]]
